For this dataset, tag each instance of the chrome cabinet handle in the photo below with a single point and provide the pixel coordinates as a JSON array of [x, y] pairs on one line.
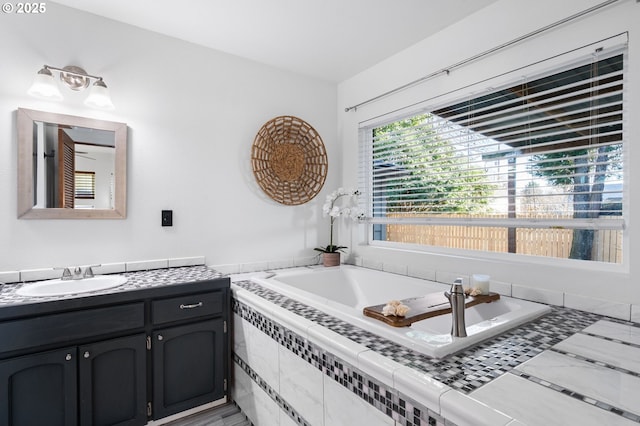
[[195, 305], [86, 354], [68, 357]]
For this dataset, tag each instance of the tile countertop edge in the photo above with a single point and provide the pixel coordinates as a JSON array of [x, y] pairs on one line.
[[10, 277], [464, 410], [442, 399], [12, 304]]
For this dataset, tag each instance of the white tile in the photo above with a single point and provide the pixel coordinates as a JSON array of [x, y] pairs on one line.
[[186, 261], [449, 277], [305, 261], [635, 313], [227, 269], [301, 386], [110, 268], [500, 287], [378, 366], [538, 295], [534, 404], [253, 267], [343, 408], [424, 273], [372, 264], [40, 274], [598, 306], [464, 410], [614, 330], [9, 277], [252, 300], [293, 322], [419, 386], [254, 402], [395, 268], [613, 353], [145, 265], [600, 383], [342, 347], [280, 264], [357, 260], [260, 351], [285, 420]]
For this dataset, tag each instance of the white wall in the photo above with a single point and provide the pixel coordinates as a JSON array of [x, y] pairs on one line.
[[192, 115], [499, 23]]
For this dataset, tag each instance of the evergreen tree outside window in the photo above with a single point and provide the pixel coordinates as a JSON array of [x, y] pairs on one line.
[[533, 168]]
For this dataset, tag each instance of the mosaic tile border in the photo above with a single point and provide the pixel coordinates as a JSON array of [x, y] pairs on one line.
[[400, 408], [464, 371], [284, 406]]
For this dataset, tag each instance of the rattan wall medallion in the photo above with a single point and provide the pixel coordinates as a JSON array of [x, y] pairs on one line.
[[289, 160]]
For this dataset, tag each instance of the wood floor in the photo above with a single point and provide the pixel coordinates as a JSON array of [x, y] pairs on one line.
[[225, 415]]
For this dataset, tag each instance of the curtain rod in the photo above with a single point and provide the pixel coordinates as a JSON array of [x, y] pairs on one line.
[[448, 69]]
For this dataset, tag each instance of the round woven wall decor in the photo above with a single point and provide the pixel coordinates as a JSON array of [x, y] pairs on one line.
[[289, 160]]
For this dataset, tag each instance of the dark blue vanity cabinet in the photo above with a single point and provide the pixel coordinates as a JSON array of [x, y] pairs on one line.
[[114, 359], [187, 346]]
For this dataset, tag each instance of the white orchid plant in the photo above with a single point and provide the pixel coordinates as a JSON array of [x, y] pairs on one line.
[[332, 209]]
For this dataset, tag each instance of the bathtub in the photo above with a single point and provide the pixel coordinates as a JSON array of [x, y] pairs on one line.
[[344, 291]]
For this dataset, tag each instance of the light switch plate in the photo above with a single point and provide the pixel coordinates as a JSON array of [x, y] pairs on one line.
[[167, 217]]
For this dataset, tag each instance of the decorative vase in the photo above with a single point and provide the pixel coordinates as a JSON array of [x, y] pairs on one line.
[[331, 259]]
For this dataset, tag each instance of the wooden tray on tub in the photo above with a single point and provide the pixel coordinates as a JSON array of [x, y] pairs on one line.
[[423, 307]]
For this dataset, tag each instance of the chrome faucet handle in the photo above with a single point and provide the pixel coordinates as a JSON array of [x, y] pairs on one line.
[[88, 271], [457, 286], [66, 273], [77, 273]]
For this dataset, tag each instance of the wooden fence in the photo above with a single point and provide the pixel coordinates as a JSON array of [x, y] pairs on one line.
[[530, 241]]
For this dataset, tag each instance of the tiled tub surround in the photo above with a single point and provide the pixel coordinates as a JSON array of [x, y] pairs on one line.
[[297, 365]]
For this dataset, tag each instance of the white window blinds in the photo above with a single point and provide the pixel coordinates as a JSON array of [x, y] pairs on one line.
[[545, 152], [85, 185]]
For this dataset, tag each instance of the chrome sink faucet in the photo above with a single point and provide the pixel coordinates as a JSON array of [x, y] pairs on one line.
[[77, 273], [456, 298]]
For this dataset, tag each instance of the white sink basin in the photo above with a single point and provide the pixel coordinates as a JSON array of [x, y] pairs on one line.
[[60, 287]]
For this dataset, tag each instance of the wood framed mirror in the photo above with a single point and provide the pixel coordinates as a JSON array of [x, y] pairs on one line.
[[70, 167]]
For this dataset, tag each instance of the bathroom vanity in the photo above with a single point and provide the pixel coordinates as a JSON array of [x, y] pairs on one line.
[[121, 357]]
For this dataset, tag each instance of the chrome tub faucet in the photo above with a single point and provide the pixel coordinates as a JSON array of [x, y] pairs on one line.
[[456, 298]]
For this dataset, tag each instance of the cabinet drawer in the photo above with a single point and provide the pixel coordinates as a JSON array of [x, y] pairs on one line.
[[186, 307], [69, 326]]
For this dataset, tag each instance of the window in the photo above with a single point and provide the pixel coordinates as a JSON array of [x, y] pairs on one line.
[[534, 168], [85, 185]]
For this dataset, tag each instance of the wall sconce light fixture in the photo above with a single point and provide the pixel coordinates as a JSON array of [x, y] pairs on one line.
[[44, 86]]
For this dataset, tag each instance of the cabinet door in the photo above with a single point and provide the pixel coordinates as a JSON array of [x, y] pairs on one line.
[[188, 366], [113, 377], [39, 389]]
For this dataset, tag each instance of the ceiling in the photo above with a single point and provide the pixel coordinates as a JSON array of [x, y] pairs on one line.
[[332, 40]]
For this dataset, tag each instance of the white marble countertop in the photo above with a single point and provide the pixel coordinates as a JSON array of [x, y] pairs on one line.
[[590, 378]]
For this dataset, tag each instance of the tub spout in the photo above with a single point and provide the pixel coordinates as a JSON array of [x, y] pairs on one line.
[[456, 299]]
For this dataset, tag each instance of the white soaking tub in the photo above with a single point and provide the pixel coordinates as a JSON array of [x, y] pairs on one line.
[[345, 290]]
